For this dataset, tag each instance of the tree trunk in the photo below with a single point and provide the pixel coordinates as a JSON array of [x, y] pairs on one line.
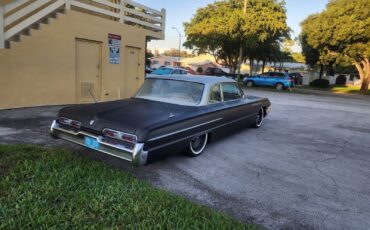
[[321, 71], [365, 86], [250, 66], [240, 60], [363, 69], [263, 66]]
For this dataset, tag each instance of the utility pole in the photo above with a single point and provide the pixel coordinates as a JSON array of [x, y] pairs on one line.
[[179, 41], [241, 46]]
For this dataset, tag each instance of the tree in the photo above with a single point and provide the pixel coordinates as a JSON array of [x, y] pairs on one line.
[[222, 27], [148, 55], [175, 53], [287, 48], [341, 34], [298, 57]]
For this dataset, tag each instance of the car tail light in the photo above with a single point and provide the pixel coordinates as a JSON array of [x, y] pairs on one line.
[[69, 122], [119, 135]]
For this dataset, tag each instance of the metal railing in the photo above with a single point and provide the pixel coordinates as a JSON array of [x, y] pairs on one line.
[[19, 15]]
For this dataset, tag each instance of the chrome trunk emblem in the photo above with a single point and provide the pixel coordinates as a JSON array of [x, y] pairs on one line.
[[92, 122]]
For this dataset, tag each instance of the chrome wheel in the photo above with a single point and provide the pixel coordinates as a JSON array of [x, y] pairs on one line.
[[198, 144], [249, 83], [279, 86], [259, 118]]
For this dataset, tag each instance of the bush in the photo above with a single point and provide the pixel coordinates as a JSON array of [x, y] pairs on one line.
[[320, 83], [200, 69], [341, 80]]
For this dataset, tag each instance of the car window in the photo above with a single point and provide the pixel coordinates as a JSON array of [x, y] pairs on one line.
[[230, 91], [215, 94], [184, 72], [162, 71], [218, 71], [176, 71]]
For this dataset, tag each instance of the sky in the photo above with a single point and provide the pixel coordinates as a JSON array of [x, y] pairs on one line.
[[180, 11]]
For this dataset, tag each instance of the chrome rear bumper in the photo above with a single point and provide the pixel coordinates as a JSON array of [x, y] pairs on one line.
[[268, 110], [137, 156]]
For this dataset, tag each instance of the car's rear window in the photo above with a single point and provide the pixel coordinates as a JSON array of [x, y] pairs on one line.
[[171, 91]]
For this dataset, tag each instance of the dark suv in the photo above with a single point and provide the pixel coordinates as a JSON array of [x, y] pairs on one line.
[[297, 78], [214, 71]]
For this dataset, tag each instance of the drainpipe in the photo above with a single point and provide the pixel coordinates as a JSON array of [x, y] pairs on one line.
[[2, 33]]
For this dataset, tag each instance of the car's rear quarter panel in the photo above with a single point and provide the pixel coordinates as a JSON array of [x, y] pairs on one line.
[[218, 120]]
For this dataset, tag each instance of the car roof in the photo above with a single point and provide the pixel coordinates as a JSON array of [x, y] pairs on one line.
[[196, 78], [170, 67]]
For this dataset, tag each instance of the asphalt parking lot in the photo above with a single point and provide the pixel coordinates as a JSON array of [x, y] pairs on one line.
[[308, 167]]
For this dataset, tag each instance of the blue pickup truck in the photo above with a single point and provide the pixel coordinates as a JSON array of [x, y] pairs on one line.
[[274, 79]]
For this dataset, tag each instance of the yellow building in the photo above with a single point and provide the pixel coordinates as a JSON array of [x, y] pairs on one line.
[[69, 51]]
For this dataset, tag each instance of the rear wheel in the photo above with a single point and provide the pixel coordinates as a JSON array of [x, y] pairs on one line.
[[197, 145], [259, 118], [279, 86], [250, 84]]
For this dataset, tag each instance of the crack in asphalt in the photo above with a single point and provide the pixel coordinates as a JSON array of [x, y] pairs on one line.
[[324, 219], [335, 185], [342, 147]]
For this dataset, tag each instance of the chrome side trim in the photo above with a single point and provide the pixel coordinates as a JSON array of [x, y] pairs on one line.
[[241, 118], [200, 133], [186, 129]]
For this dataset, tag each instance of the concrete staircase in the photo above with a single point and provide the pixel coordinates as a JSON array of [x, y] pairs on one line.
[[35, 26], [19, 17]]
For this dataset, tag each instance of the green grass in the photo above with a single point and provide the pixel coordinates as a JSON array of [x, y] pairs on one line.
[[272, 89], [350, 89], [55, 188]]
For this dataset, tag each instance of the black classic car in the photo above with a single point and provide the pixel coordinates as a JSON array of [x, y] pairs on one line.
[[168, 113]]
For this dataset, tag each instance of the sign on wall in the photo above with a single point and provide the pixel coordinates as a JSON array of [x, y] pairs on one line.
[[114, 43]]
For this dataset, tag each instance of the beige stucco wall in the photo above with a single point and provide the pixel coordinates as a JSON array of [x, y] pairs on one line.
[[40, 69]]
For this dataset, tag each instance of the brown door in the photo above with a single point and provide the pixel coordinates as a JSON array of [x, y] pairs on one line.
[[88, 70], [132, 61]]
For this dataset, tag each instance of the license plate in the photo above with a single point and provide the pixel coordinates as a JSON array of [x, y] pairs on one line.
[[91, 143]]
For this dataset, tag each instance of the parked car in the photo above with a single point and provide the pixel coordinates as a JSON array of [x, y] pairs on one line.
[[297, 78], [216, 71], [191, 71], [275, 79], [168, 71], [168, 113], [148, 70]]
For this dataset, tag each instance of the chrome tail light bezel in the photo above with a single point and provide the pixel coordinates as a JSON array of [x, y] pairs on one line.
[[69, 122], [119, 135]]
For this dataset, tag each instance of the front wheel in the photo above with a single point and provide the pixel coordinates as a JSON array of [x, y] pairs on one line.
[[197, 145], [259, 119]]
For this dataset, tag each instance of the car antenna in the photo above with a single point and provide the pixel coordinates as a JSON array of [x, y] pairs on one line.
[[92, 95]]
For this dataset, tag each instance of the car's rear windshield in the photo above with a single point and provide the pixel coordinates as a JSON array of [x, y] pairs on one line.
[[171, 91], [162, 71]]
